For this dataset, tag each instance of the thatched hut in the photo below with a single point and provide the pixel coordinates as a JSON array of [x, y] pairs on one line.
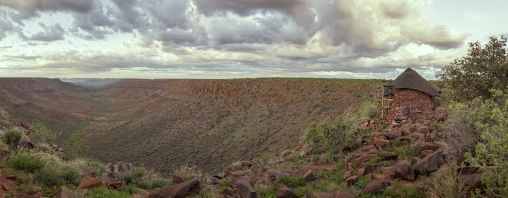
[[411, 93]]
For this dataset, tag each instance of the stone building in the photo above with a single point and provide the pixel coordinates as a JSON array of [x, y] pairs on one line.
[[409, 94]]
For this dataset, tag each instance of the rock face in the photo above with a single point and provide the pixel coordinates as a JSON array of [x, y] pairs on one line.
[[286, 193], [403, 169], [376, 186], [177, 191], [245, 189], [89, 183], [430, 163], [120, 167]]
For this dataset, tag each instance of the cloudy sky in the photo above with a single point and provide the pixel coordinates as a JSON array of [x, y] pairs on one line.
[[240, 38]]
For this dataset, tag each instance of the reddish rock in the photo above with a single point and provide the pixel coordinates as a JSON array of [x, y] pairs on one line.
[[141, 193], [388, 155], [64, 192], [286, 193], [361, 171], [344, 194], [371, 168], [387, 170], [245, 190], [425, 153], [89, 183], [309, 176], [427, 146], [179, 178], [351, 180], [403, 169], [365, 150], [326, 167], [363, 159], [431, 137], [376, 186], [405, 131], [381, 141], [177, 191], [424, 129], [316, 194], [391, 134], [430, 163], [347, 174], [418, 137]]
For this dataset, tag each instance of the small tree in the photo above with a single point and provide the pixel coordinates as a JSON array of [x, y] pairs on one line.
[[485, 67], [75, 146], [41, 133]]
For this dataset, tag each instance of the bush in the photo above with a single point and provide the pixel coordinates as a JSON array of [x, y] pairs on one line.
[[13, 137], [144, 179], [444, 183], [75, 147], [31, 161], [294, 182], [368, 111], [106, 193], [41, 133], [337, 136]]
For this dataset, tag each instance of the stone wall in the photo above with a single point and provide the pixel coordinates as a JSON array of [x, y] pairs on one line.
[[408, 101]]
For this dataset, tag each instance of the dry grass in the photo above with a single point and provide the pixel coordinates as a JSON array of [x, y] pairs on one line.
[[444, 183]]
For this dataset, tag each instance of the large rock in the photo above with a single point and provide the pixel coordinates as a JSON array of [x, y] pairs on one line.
[[424, 129], [317, 194], [286, 193], [403, 169], [427, 146], [120, 167], [351, 180], [347, 174], [363, 159], [376, 186], [179, 178], [344, 194], [430, 163], [418, 137], [245, 190], [177, 191], [391, 134], [309, 176], [64, 192], [371, 168], [471, 181], [381, 142], [89, 183], [387, 155]]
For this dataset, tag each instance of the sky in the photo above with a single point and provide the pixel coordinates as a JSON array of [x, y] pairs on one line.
[[240, 38]]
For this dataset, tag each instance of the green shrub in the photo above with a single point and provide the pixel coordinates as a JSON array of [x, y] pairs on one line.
[[329, 157], [144, 179], [413, 192], [368, 111], [294, 182], [12, 137], [31, 161], [75, 147], [406, 152], [106, 193], [337, 136], [302, 190], [41, 133]]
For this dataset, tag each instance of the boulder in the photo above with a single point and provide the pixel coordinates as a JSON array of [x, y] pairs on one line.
[[344, 194], [376, 186], [177, 190], [433, 136], [405, 131], [381, 142], [387, 170], [286, 193], [418, 137], [371, 168], [120, 167], [361, 171], [403, 169], [326, 167], [388, 155], [179, 178], [89, 183], [430, 163], [245, 190], [64, 192], [391, 134], [309, 176], [471, 181], [347, 174], [365, 150], [363, 159], [427, 146], [424, 130], [351, 180], [317, 194], [425, 153]]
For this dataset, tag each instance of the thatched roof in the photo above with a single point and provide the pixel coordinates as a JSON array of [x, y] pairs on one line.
[[410, 79]]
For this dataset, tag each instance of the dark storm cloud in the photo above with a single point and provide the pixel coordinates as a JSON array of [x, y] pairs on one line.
[[53, 33], [247, 7]]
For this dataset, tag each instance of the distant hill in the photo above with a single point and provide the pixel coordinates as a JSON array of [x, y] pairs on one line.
[[93, 83], [167, 123]]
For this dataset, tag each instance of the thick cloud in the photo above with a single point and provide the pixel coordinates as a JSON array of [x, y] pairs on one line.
[[53, 33], [252, 35]]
